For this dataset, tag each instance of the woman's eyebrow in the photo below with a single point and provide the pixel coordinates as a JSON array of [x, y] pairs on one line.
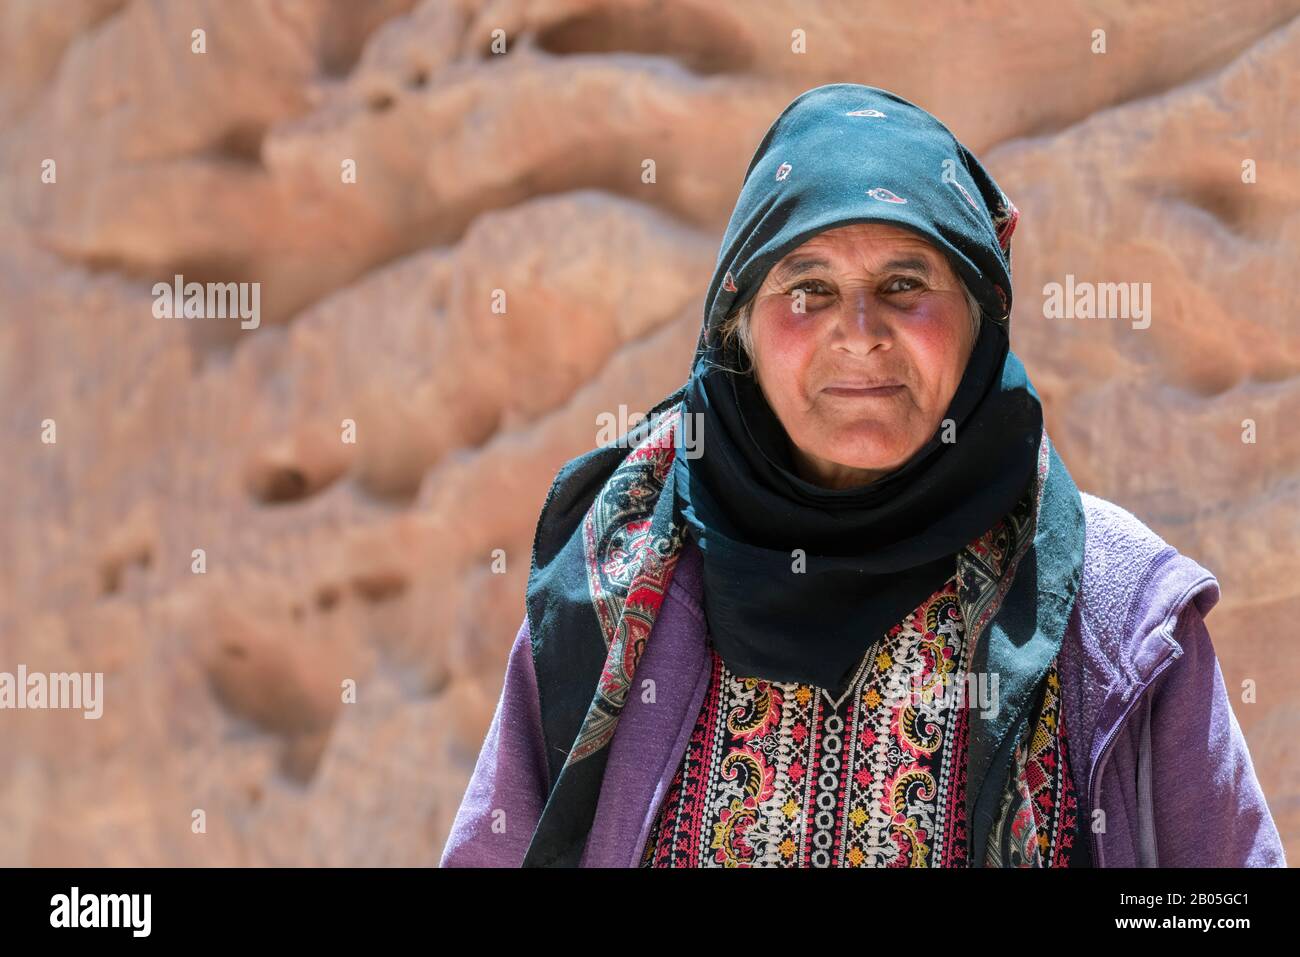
[[912, 263], [797, 267]]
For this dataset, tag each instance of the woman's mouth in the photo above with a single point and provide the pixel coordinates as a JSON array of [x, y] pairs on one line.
[[859, 392]]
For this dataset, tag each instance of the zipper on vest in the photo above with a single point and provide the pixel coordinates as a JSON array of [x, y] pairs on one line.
[[1094, 778], [1175, 650]]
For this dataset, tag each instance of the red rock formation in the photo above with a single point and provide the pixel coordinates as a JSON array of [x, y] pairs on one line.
[[373, 561]]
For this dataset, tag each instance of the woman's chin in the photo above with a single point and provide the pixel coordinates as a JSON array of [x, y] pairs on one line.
[[873, 459], [870, 447]]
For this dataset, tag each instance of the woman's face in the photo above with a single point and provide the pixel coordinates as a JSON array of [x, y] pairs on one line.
[[855, 307]]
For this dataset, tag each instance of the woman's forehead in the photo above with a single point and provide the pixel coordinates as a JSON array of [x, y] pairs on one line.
[[871, 243], [865, 236]]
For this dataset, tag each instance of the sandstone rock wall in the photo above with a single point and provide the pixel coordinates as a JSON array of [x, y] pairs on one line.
[[477, 171]]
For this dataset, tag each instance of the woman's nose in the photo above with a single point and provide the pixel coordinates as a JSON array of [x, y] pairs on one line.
[[861, 326]]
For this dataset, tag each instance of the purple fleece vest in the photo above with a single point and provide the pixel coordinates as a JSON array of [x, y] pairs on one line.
[[1168, 779]]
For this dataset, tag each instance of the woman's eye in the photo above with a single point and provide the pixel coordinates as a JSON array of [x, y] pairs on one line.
[[811, 287], [893, 287]]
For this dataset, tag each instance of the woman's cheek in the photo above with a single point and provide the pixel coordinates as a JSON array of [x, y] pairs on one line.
[[931, 332], [933, 340], [786, 344], [789, 333]]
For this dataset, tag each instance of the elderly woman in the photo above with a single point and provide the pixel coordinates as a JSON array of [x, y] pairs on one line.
[[837, 601]]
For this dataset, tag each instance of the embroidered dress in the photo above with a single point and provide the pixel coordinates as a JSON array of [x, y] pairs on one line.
[[1039, 817], [784, 774]]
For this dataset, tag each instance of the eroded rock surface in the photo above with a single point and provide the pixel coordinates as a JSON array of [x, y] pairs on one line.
[[475, 171]]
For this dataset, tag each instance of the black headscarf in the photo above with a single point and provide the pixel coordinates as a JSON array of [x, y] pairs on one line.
[[615, 520], [870, 554]]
